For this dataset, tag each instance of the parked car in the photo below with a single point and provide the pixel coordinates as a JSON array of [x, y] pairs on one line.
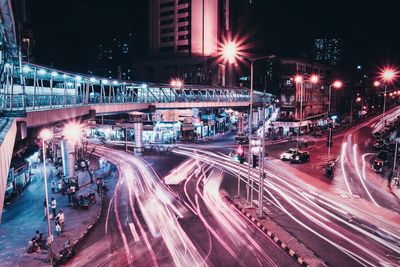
[[377, 165], [300, 157], [287, 155]]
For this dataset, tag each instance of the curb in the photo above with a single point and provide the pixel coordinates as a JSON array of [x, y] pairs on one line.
[[84, 234], [271, 235]]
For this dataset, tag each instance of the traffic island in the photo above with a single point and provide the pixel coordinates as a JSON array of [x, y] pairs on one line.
[[293, 247]]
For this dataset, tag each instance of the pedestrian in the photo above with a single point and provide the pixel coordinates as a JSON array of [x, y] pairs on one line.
[[54, 206], [72, 190], [59, 187], [53, 186], [91, 175], [37, 235], [98, 183], [33, 246], [60, 218], [58, 227], [69, 195]]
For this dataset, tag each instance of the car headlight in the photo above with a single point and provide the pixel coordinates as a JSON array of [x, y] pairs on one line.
[[297, 158]]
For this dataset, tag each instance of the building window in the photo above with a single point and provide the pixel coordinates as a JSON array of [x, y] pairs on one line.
[[183, 47], [167, 30], [168, 4], [183, 37], [167, 39], [167, 13], [183, 28], [166, 22], [166, 49], [183, 10], [183, 19]]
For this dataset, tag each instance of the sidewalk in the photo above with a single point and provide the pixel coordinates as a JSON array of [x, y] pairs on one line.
[[25, 215]]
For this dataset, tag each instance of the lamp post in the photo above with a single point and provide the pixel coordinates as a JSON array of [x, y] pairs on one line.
[[299, 80], [387, 75], [337, 85], [46, 135], [230, 53]]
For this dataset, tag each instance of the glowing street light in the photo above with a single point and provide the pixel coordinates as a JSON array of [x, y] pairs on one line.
[[358, 99], [176, 83], [73, 132], [26, 69], [377, 84], [314, 79], [41, 72], [298, 78], [337, 84], [230, 51], [388, 74]]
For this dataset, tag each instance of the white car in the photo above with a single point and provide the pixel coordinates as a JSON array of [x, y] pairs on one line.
[[287, 155]]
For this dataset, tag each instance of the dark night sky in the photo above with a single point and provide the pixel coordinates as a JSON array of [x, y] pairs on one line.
[[66, 33]]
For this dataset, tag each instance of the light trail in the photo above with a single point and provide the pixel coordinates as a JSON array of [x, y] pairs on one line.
[[360, 176], [227, 165], [342, 161]]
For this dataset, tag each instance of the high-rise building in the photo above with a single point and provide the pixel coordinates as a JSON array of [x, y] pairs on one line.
[[328, 50], [184, 36], [114, 58], [185, 27]]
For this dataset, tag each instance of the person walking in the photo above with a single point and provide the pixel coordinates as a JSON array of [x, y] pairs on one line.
[[58, 227], [98, 183], [54, 206], [60, 218], [53, 186]]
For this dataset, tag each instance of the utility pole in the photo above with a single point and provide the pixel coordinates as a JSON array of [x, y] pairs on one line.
[[262, 174], [126, 136]]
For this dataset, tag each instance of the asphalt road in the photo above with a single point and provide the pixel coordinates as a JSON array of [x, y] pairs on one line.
[[351, 220], [146, 223]]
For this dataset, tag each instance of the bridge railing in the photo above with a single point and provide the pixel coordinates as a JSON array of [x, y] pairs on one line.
[[38, 102], [34, 87]]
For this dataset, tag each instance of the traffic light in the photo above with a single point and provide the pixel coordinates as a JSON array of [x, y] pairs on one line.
[[240, 153], [255, 161]]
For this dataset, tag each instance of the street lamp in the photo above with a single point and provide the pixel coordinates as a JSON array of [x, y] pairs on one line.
[[387, 75], [176, 83], [337, 85], [47, 135], [231, 51], [299, 80]]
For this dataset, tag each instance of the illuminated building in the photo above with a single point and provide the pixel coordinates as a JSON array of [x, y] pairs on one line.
[[183, 42]]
